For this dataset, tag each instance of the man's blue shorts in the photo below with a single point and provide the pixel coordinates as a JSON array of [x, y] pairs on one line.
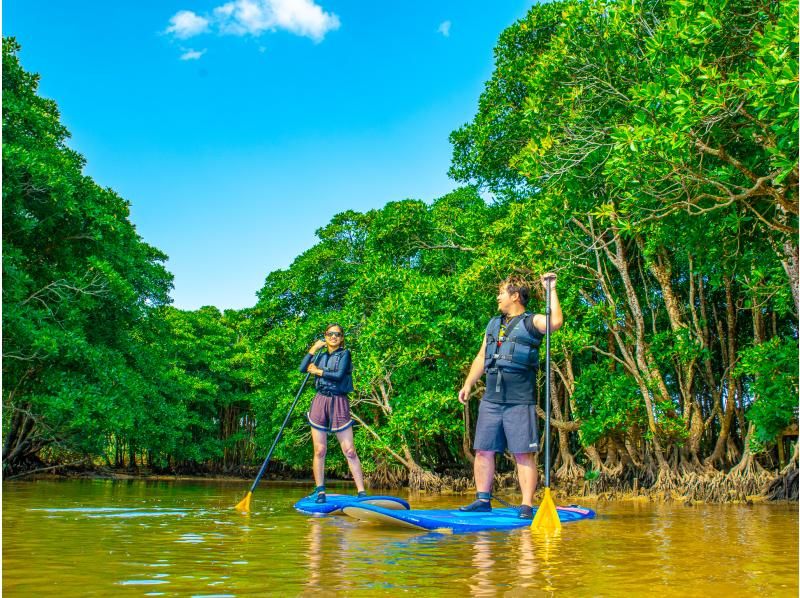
[[502, 426]]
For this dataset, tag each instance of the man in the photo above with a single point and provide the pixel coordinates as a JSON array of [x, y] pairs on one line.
[[507, 414]]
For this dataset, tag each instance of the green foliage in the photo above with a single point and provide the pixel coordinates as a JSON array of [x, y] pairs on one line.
[[772, 370], [591, 475], [651, 151], [484, 150], [607, 403], [646, 151], [76, 280]]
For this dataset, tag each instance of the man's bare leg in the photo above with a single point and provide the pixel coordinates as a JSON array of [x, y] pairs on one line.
[[484, 471], [527, 474]]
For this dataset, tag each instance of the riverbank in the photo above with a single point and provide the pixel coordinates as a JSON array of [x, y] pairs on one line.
[[690, 488]]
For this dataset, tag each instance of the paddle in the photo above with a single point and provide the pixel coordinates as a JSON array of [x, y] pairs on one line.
[[244, 504], [546, 518]]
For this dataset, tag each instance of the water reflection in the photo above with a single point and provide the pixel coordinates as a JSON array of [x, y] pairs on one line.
[[483, 562], [326, 556], [527, 559], [547, 548], [533, 557]]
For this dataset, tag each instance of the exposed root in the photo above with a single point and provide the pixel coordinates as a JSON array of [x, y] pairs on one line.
[[422, 480], [395, 476], [570, 475], [388, 476], [632, 453], [594, 457], [506, 480], [614, 472], [647, 472], [570, 471], [611, 481], [691, 481], [793, 462], [785, 486], [457, 484], [689, 463], [666, 480], [748, 478], [710, 486]]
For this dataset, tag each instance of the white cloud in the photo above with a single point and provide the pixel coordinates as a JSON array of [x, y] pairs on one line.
[[253, 17], [186, 24], [304, 17], [192, 54], [444, 28]]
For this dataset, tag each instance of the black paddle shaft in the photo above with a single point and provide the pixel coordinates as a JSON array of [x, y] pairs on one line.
[[548, 282], [283, 426]]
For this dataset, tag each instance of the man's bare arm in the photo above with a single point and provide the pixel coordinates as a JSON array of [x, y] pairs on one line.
[[475, 373], [556, 315]]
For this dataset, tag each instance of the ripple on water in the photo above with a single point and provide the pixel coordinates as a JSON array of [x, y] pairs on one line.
[[81, 510], [132, 514], [190, 539], [115, 512], [107, 509]]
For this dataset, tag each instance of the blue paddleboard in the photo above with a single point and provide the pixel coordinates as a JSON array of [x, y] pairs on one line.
[[335, 502], [455, 521]]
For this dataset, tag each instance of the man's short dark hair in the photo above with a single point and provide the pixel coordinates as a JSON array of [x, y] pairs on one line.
[[517, 284]]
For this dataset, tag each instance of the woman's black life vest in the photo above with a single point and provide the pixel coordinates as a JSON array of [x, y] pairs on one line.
[[517, 349], [343, 386]]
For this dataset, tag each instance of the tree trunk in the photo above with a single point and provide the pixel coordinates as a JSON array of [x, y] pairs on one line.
[[569, 469], [643, 358], [790, 265], [728, 356]]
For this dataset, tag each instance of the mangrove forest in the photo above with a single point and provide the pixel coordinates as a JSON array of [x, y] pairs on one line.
[[646, 151]]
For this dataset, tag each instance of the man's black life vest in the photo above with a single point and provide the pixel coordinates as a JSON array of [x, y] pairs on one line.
[[517, 349]]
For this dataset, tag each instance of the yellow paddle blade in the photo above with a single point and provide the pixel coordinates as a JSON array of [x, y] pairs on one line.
[[244, 504], [546, 518]]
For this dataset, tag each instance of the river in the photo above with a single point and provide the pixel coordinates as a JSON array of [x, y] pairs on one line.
[[183, 538]]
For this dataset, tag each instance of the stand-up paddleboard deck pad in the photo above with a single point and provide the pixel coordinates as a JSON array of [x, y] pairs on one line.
[[456, 521], [335, 502]]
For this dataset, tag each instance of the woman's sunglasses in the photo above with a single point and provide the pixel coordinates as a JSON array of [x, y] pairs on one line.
[[333, 334]]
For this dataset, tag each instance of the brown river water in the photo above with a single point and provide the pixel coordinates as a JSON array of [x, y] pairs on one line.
[[183, 538]]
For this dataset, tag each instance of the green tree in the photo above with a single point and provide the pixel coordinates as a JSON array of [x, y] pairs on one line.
[[76, 279]]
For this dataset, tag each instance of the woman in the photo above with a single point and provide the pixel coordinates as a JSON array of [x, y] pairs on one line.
[[330, 409]]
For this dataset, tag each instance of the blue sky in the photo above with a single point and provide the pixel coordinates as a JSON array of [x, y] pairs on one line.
[[237, 129]]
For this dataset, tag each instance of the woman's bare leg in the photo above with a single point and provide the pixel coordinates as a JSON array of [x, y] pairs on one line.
[[320, 440], [345, 438]]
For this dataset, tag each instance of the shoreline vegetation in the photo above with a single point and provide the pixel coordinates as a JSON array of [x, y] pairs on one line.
[[715, 487], [647, 152]]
